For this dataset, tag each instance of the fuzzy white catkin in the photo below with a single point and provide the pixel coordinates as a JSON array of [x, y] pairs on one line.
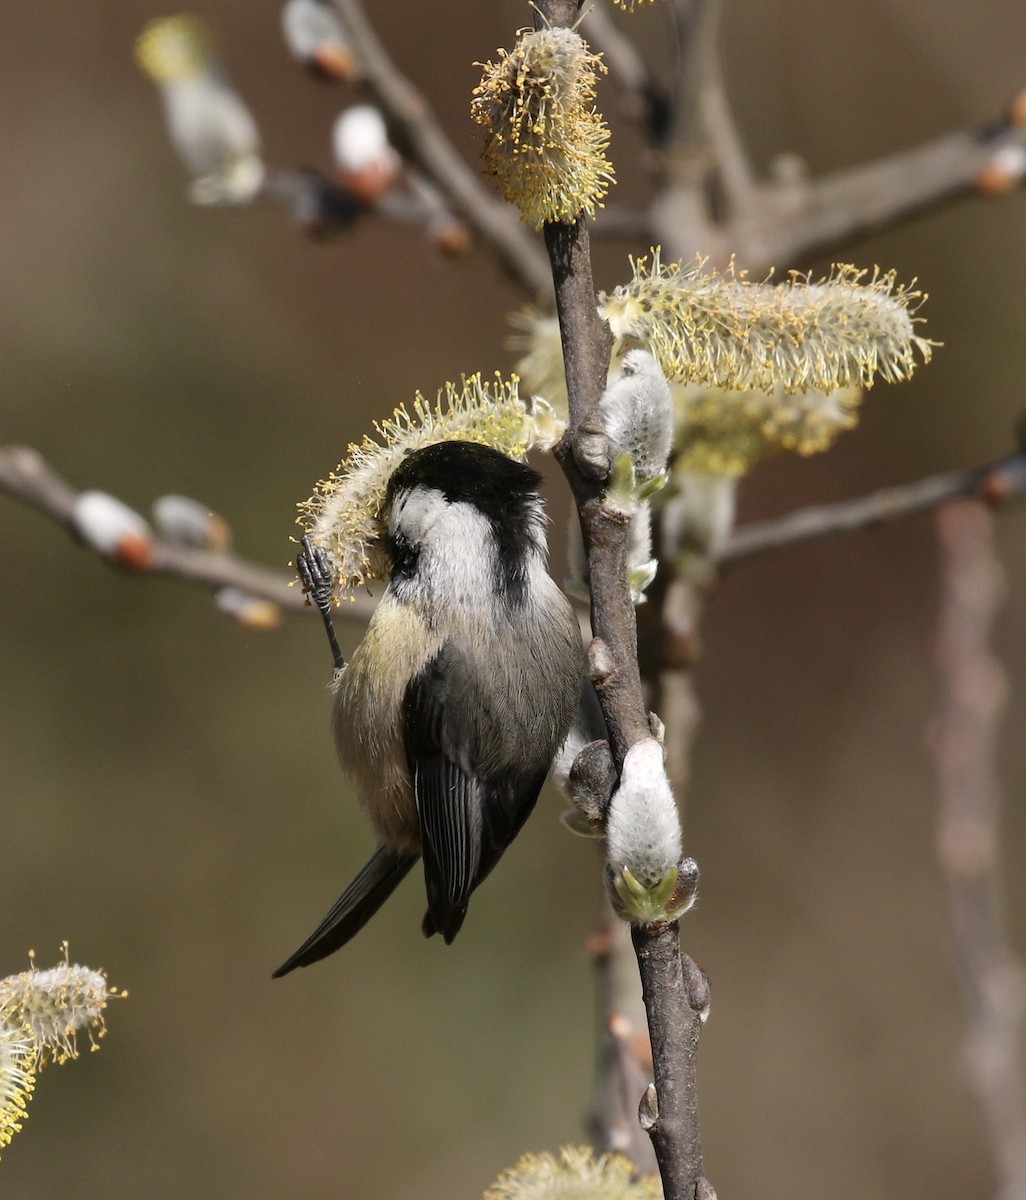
[[308, 26], [209, 124], [637, 414], [360, 139], [643, 828], [216, 138], [103, 521]]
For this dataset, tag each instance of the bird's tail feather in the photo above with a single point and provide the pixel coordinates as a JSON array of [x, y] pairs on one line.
[[353, 909]]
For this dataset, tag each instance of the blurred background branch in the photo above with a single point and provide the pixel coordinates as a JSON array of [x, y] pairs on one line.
[[1004, 479], [964, 741]]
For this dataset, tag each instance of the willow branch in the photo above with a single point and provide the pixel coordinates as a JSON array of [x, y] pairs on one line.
[[964, 742], [684, 217], [671, 1116], [494, 223], [672, 986], [25, 476], [995, 482], [317, 205], [644, 100], [625, 1050], [790, 222], [583, 455], [704, 116]]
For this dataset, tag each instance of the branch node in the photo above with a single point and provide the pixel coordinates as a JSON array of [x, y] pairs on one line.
[[696, 982], [601, 666], [591, 454], [648, 1109], [591, 782]]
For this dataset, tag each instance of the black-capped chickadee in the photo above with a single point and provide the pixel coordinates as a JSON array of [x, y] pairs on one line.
[[463, 689]]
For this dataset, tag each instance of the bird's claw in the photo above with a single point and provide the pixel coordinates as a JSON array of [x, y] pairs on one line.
[[315, 574]]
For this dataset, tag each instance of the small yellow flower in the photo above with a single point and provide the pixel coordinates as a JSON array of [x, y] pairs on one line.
[[575, 1175], [344, 513], [545, 142], [17, 1080]]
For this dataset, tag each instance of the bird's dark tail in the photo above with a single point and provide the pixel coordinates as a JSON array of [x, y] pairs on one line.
[[353, 909]]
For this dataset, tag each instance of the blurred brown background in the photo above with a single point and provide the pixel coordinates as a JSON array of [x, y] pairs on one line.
[[170, 801]]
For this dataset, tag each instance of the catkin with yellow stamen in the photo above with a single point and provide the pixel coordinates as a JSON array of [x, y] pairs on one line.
[[720, 431], [544, 141], [576, 1174], [344, 515], [17, 1080], [727, 332], [727, 432], [53, 1006]]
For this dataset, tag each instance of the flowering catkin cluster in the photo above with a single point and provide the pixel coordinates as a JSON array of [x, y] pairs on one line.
[[727, 432], [720, 431], [576, 1174], [724, 331], [544, 141], [41, 1014], [344, 513]]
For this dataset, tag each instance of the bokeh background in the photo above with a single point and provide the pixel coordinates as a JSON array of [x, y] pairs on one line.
[[169, 800]]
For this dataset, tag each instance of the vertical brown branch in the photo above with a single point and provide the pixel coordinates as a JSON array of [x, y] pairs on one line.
[[964, 745], [624, 1051], [671, 1108], [671, 1117], [584, 458]]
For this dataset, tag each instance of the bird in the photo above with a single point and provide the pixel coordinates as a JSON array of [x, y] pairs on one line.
[[464, 688]]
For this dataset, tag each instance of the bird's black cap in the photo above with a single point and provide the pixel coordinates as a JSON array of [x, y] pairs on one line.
[[469, 473]]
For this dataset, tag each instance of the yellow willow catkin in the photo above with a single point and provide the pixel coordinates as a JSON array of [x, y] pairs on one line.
[[576, 1174], [720, 431], [344, 513], [17, 1080], [727, 332], [544, 141], [54, 1005], [725, 432]]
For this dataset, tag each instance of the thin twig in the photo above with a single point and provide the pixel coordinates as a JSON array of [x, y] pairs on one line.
[[644, 100], [701, 99], [964, 742], [995, 482], [791, 222], [684, 219], [495, 223], [25, 476]]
